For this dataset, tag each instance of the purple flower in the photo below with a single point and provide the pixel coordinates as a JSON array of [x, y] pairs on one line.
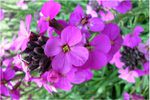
[[128, 59], [144, 48], [49, 11], [133, 39], [128, 75], [134, 96], [98, 49], [5, 77], [1, 14], [23, 34], [145, 70], [66, 81], [113, 32], [19, 62], [42, 81], [66, 50], [122, 6], [106, 15], [116, 60], [78, 18], [81, 75]]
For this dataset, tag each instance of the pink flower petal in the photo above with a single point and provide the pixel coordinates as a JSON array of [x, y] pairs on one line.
[[28, 22], [4, 90], [78, 55], [71, 35], [42, 26], [62, 63], [50, 9], [137, 30], [76, 15], [9, 74], [53, 47], [96, 60], [102, 43], [124, 6], [112, 30], [96, 24], [64, 84]]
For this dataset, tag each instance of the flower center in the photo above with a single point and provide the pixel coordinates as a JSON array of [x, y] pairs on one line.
[[66, 48], [47, 19], [132, 57], [112, 42]]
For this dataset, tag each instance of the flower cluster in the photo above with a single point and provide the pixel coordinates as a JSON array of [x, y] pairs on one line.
[[61, 53]]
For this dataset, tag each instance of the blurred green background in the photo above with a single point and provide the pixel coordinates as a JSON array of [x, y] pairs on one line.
[[105, 83]]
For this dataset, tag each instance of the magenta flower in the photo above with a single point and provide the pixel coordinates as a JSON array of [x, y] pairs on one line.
[[5, 77], [78, 18], [49, 11], [66, 81], [144, 71], [128, 75], [116, 60], [133, 39], [106, 15], [1, 14], [98, 48], [19, 62], [23, 34], [42, 81], [134, 96], [144, 48], [113, 32], [66, 50], [122, 6], [81, 75]]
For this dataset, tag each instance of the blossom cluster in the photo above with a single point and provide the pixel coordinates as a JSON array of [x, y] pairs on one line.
[[63, 53]]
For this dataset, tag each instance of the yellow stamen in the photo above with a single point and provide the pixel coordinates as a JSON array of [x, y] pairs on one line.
[[47, 19], [66, 48]]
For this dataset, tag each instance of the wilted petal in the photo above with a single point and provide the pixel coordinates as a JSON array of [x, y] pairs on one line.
[[62, 63], [50, 9], [78, 55], [71, 35], [53, 47]]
